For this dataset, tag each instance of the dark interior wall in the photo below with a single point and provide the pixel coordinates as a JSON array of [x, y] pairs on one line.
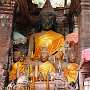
[[23, 25]]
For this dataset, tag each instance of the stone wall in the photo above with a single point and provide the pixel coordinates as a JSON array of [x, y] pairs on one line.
[[85, 24], [6, 18], [84, 34]]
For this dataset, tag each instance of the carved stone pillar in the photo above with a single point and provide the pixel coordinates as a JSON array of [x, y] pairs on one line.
[[6, 17], [76, 24], [84, 33], [76, 30], [85, 24]]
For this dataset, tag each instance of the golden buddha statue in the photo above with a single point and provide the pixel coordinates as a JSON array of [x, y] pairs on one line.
[[71, 70], [18, 68], [45, 67]]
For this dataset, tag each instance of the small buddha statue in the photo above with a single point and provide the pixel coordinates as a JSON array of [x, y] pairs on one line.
[[45, 66], [18, 67], [71, 70]]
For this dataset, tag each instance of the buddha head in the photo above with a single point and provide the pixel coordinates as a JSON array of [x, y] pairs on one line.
[[18, 56], [72, 59], [47, 20], [47, 16], [44, 54]]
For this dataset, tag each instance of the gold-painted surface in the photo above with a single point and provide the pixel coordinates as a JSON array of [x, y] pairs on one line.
[[71, 72], [50, 39], [19, 69], [46, 68]]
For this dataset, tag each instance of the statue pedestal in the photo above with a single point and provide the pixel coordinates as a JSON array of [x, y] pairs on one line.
[[41, 85]]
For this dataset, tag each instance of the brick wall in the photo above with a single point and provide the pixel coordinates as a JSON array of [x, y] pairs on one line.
[[4, 42], [6, 17], [85, 24], [84, 34]]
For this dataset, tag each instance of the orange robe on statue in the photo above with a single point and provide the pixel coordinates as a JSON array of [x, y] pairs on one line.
[[71, 72], [54, 41]]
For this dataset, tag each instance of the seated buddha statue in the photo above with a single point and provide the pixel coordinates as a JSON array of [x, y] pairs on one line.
[[43, 30], [45, 66], [71, 70], [18, 68]]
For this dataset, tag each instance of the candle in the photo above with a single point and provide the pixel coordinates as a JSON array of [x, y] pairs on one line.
[[47, 83], [59, 66], [32, 84], [36, 72]]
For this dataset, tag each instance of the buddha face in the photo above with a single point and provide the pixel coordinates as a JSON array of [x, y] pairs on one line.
[[72, 59], [47, 20], [16, 55], [22, 57], [44, 54]]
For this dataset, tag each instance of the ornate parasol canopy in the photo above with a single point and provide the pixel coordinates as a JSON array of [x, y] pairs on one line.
[[86, 54], [50, 39], [73, 37]]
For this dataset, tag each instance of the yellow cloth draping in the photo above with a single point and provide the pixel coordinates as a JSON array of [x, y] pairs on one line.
[[50, 39], [46, 68], [71, 72], [18, 69]]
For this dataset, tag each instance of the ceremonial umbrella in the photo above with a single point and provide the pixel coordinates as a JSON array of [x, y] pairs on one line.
[[50, 39], [72, 37]]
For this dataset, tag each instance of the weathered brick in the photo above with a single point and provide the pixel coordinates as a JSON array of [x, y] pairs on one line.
[[5, 32]]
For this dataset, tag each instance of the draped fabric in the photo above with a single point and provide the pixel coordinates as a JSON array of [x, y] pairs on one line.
[[19, 69], [71, 72], [50, 39], [46, 68]]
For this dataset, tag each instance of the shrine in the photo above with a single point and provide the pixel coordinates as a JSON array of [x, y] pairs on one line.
[[44, 45]]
